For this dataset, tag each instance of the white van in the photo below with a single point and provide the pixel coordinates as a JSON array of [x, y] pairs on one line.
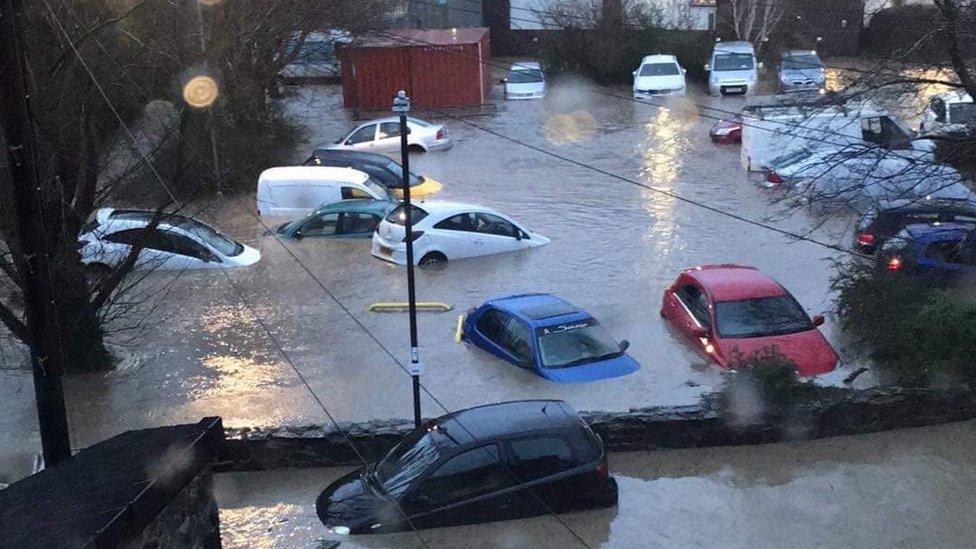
[[297, 190], [733, 69], [948, 112]]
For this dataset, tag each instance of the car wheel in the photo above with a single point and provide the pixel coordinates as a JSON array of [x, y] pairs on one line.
[[433, 259]]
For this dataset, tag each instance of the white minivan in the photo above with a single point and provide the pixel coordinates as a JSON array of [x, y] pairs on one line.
[[733, 69], [297, 190]]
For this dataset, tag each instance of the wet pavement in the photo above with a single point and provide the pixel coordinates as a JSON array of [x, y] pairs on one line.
[[908, 488], [615, 247]]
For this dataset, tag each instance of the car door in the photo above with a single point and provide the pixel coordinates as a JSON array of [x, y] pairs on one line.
[[947, 256], [388, 137], [691, 310], [362, 138], [541, 464], [517, 342], [457, 236], [491, 328], [496, 235], [355, 224], [115, 247], [325, 224], [471, 487]]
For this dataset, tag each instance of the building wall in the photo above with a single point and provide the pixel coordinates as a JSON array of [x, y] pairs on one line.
[[674, 14], [443, 14]]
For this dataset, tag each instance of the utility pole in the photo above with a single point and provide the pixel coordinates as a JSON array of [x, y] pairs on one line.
[[28, 210], [401, 106]]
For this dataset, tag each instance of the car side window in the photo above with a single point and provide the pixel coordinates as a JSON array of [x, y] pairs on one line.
[[182, 245], [470, 474], [357, 223], [697, 303], [362, 135], [951, 251], [492, 224], [322, 225], [128, 237], [538, 457], [352, 192], [381, 175], [518, 340], [466, 222], [492, 325], [389, 129]]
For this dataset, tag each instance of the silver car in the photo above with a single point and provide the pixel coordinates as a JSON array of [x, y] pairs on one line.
[[383, 135]]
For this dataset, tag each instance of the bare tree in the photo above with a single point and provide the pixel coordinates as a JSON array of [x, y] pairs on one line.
[[755, 20]]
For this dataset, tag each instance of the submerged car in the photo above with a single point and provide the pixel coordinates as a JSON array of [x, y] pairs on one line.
[[659, 75], [445, 231], [525, 80], [727, 131], [379, 167], [494, 462], [383, 135], [731, 312], [179, 242], [344, 219], [801, 70], [879, 224], [549, 336], [932, 249]]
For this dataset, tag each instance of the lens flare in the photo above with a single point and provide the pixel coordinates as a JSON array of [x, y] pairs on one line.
[[200, 92]]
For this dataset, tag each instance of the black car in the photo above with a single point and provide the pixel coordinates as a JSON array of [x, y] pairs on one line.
[[878, 225], [383, 169], [493, 462]]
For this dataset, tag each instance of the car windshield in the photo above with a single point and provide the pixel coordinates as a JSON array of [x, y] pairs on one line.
[[659, 69], [575, 343], [396, 168], [733, 62], [408, 460], [378, 189], [764, 316], [802, 61], [962, 113], [399, 215], [524, 76]]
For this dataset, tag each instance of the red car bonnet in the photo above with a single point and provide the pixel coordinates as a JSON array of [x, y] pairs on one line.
[[809, 350]]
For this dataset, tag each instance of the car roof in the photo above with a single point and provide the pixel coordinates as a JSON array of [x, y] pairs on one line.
[[526, 65], [922, 230], [731, 282], [734, 46], [347, 154], [954, 205], [538, 308], [392, 119], [443, 207], [504, 419], [791, 53], [314, 173], [364, 205], [659, 58]]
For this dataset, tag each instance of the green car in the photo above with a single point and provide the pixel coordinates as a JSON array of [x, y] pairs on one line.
[[344, 219]]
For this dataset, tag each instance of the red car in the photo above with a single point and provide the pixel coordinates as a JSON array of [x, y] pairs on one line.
[[732, 311], [727, 131]]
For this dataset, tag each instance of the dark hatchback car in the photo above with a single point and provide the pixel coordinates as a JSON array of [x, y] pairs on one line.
[[878, 225], [494, 462], [383, 169]]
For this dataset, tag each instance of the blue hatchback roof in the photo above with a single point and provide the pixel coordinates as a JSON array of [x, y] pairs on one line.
[[536, 307], [922, 230]]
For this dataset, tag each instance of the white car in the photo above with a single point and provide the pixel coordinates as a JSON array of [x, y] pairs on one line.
[[383, 135], [525, 81], [659, 75], [450, 230], [179, 242]]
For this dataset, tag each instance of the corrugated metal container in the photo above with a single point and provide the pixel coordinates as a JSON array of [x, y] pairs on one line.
[[436, 67]]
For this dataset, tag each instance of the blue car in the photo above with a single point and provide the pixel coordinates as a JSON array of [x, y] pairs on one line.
[[549, 336], [935, 249]]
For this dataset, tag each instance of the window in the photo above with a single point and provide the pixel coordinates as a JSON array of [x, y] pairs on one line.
[[764, 316], [351, 192], [129, 237], [733, 62], [575, 343], [801, 61], [381, 175], [389, 129], [357, 223], [470, 474], [362, 135], [539, 457], [524, 75], [696, 302], [492, 224], [491, 324], [409, 460], [518, 340], [461, 222], [659, 69], [962, 113], [162, 241], [399, 215], [323, 225], [951, 251]]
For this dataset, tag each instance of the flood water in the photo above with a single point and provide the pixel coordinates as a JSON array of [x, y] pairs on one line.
[[615, 246], [908, 488]]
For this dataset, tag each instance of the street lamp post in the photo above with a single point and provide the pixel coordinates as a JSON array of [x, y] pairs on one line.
[[401, 106]]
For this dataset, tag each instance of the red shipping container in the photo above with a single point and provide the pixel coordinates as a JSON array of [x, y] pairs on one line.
[[436, 67]]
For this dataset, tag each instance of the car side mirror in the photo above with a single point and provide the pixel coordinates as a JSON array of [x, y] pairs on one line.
[[624, 345], [759, 64], [518, 235], [700, 331], [708, 67], [818, 320], [684, 70]]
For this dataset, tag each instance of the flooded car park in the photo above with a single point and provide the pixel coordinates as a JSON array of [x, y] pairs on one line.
[[615, 247]]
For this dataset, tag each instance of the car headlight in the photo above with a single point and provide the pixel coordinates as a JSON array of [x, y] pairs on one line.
[[341, 530]]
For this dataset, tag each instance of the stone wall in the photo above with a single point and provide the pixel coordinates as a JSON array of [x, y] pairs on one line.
[[662, 427], [190, 520]]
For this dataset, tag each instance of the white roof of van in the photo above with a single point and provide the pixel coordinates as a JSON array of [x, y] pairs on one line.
[[659, 58], [735, 46], [314, 173], [526, 66]]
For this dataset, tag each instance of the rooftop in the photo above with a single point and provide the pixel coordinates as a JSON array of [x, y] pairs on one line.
[[503, 418], [396, 38]]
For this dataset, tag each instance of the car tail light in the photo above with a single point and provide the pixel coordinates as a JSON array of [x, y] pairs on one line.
[[415, 235], [440, 134], [895, 263], [773, 177], [865, 239], [603, 469]]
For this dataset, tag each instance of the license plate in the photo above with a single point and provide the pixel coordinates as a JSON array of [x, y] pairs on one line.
[[734, 89], [388, 252]]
